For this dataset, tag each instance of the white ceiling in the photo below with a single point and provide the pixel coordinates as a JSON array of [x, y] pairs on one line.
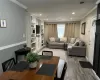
[[59, 10]]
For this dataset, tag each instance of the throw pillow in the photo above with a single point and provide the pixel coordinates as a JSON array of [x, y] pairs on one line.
[[77, 44], [82, 43], [64, 39], [72, 41], [52, 39]]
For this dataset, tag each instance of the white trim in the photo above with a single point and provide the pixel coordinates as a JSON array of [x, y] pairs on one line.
[[95, 75], [90, 11], [12, 45], [98, 1], [93, 70], [18, 3], [87, 58]]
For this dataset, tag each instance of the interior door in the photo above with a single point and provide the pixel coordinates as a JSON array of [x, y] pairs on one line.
[[92, 39]]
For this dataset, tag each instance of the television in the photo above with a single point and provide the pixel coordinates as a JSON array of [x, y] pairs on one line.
[[37, 29]]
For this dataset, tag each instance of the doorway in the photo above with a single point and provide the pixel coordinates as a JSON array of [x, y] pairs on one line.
[[92, 39]]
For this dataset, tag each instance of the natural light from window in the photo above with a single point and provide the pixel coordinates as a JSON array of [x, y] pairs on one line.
[[61, 30]]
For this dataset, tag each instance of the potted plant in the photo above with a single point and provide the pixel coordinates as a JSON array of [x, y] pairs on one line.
[[33, 59]]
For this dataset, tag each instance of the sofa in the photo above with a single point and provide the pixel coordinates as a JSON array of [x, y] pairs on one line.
[[76, 48], [56, 43]]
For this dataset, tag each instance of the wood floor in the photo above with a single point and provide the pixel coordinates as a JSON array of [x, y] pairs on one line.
[[74, 70]]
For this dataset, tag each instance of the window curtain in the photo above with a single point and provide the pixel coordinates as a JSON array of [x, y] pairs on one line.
[[72, 30], [52, 30]]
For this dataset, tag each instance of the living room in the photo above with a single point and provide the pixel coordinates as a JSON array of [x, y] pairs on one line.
[[66, 28]]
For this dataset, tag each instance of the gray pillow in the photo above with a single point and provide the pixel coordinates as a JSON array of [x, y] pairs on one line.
[[77, 44], [57, 40], [82, 43]]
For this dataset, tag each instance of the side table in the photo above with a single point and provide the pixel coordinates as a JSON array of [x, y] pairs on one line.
[[65, 46], [23, 51]]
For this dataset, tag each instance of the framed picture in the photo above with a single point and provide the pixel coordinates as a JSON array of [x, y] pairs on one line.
[[83, 28], [3, 24]]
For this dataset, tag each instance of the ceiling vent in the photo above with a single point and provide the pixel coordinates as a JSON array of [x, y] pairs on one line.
[[82, 2]]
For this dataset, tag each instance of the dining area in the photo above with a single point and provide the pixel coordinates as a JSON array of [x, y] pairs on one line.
[[49, 67]]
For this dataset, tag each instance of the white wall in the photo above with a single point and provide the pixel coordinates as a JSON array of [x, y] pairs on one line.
[[86, 37]]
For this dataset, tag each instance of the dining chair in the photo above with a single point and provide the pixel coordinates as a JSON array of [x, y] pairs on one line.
[[47, 53], [64, 71], [7, 65], [61, 71]]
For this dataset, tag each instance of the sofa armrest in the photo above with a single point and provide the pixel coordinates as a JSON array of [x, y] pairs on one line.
[[78, 50]]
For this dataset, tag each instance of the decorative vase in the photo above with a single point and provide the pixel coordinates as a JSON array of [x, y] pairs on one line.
[[33, 65]]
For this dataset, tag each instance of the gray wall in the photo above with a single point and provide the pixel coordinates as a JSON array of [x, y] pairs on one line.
[[15, 17], [7, 54], [16, 27]]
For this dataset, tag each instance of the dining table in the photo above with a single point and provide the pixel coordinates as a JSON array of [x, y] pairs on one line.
[[31, 74]]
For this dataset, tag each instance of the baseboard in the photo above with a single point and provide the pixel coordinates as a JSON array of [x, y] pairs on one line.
[[93, 70], [87, 58], [95, 75]]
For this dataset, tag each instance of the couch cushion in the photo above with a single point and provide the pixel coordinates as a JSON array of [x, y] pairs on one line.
[[52, 39], [70, 46], [56, 44], [64, 39], [72, 40]]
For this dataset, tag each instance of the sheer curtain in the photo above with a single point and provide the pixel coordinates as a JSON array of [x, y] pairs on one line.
[[60, 29]]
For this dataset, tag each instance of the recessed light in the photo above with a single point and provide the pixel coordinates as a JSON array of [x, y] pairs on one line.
[[73, 12], [71, 18], [40, 14], [82, 2]]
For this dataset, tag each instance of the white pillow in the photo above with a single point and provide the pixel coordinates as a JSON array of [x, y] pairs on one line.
[[52, 39], [72, 40], [64, 39], [77, 40]]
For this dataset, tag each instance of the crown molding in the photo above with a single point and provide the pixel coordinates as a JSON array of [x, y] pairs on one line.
[[19, 4], [98, 1], [90, 11]]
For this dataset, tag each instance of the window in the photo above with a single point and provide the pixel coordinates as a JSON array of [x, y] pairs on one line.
[[61, 30]]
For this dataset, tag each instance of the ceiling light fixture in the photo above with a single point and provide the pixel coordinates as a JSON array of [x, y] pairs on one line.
[[40, 14], [71, 18], [73, 12]]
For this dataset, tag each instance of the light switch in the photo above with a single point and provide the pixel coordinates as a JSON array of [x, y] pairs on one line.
[[3, 23]]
